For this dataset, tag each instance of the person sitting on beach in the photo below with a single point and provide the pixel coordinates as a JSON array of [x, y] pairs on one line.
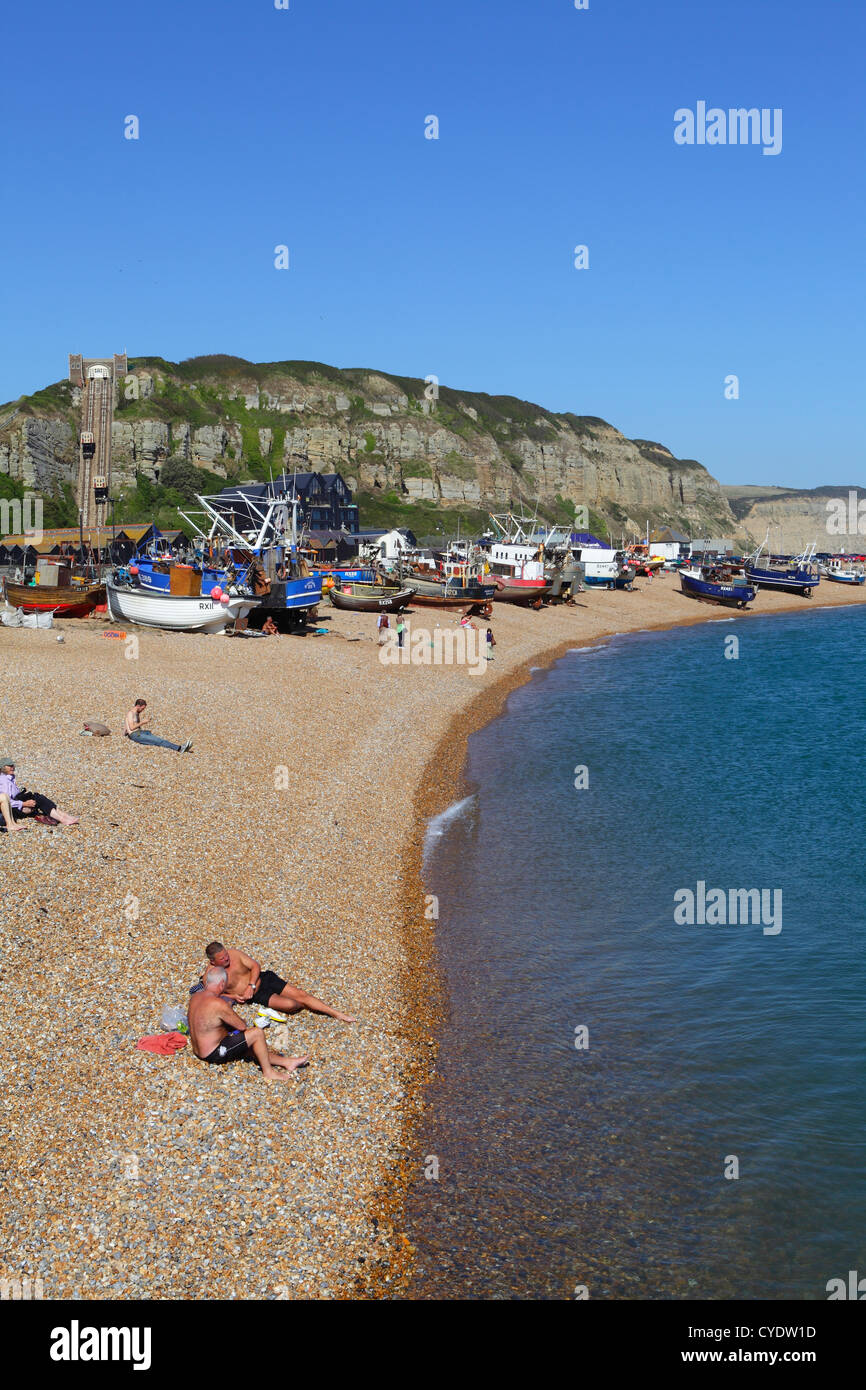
[[269, 627], [134, 729], [6, 816], [27, 803], [219, 1035], [249, 984]]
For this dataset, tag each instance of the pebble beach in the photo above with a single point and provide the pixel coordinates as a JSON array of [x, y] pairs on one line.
[[293, 831]]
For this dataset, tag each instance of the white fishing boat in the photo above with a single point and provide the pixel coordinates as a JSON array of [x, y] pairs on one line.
[[515, 560], [175, 612], [841, 573], [604, 568]]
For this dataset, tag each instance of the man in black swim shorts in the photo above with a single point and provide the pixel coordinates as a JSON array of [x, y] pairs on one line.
[[219, 1035], [233, 1048], [249, 984]]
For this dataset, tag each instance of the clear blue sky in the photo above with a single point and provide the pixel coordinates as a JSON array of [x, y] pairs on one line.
[[455, 257]]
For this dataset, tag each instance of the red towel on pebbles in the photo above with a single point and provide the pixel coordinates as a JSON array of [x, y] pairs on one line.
[[166, 1044]]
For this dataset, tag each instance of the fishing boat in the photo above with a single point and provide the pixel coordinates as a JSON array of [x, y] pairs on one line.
[[603, 568], [515, 553], [175, 612], [445, 583], [370, 598], [716, 584], [641, 561], [255, 530], [796, 576], [834, 571], [153, 571], [63, 600]]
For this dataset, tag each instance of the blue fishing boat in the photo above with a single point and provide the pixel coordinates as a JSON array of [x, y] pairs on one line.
[[836, 570], [246, 546], [714, 584], [154, 572], [797, 576]]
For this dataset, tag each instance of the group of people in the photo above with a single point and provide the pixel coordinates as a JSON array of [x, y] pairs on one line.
[[19, 806], [383, 627], [219, 1034], [231, 977]]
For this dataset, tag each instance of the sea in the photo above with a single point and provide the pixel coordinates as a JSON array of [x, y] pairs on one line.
[[638, 1097]]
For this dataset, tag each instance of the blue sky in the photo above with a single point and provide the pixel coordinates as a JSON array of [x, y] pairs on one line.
[[305, 127]]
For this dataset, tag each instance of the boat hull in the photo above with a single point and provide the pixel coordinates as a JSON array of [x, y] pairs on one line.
[[64, 601], [346, 575], [441, 595], [174, 612], [523, 592], [285, 594], [845, 578], [383, 602], [155, 577], [708, 591], [789, 581], [601, 581]]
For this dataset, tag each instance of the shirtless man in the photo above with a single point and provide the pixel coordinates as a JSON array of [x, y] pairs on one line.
[[219, 1035], [249, 984], [134, 729]]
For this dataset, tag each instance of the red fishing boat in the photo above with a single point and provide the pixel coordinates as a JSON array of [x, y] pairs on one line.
[[63, 600]]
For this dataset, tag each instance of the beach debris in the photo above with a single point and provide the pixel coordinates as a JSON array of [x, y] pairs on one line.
[[174, 1019], [16, 617]]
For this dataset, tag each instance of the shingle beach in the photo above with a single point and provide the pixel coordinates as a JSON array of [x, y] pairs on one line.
[[293, 831]]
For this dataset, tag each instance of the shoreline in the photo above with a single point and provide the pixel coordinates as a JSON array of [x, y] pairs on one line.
[[264, 1196], [445, 782]]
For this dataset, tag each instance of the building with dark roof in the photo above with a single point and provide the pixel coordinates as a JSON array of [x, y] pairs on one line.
[[324, 500]]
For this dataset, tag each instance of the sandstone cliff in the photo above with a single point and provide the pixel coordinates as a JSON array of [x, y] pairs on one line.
[[421, 445], [834, 518]]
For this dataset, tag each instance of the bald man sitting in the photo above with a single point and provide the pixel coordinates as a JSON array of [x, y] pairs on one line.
[[220, 1035]]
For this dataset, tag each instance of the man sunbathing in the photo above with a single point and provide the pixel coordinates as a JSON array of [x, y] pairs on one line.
[[219, 1035], [249, 984]]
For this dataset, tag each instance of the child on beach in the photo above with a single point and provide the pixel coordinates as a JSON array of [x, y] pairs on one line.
[[382, 627], [491, 643]]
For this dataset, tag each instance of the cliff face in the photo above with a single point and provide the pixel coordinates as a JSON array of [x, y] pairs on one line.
[[831, 517], [387, 435]]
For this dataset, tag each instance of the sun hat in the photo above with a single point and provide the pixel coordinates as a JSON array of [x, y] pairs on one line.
[[6, 761]]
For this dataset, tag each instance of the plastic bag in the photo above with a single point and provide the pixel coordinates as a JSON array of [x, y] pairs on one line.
[[174, 1019]]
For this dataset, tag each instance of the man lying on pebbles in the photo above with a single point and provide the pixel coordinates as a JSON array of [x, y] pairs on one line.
[[249, 984], [219, 1035]]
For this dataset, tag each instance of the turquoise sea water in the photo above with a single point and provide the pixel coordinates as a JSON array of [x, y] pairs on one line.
[[604, 1166]]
